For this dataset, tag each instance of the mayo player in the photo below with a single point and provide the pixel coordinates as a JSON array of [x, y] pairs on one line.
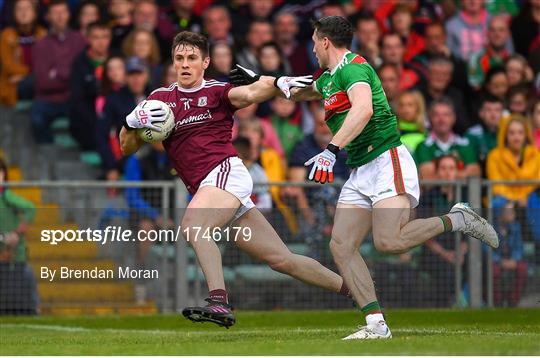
[[201, 151], [383, 185]]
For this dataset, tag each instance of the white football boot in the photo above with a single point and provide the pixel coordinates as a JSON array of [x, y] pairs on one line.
[[376, 331], [476, 226]]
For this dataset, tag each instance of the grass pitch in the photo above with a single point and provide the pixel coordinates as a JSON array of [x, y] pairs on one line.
[[418, 332]]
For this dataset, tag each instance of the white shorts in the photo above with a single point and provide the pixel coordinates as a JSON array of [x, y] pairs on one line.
[[390, 174], [232, 176]]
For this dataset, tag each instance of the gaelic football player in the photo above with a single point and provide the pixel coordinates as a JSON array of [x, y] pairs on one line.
[[201, 151], [383, 185]]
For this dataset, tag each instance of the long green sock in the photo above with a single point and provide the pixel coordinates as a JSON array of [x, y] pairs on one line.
[[371, 308]]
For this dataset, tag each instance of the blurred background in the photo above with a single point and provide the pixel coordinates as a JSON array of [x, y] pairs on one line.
[[461, 76]]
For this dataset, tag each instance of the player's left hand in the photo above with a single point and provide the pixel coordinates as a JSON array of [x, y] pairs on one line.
[[285, 84], [241, 76], [323, 167]]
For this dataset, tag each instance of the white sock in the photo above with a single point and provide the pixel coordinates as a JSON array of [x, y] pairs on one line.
[[374, 319], [457, 219]]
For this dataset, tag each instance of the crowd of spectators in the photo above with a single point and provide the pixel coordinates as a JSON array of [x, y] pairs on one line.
[[462, 77]]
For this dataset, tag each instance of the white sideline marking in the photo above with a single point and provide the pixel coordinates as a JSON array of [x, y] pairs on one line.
[[61, 328]]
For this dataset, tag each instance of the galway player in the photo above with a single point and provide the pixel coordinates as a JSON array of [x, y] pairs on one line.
[[201, 151], [383, 185]]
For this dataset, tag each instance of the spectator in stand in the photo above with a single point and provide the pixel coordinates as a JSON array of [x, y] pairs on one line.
[[392, 52], [271, 60], [519, 98], [217, 25], [514, 158], [535, 122], [314, 204], [272, 163], [169, 74], [483, 136], [494, 54], [121, 12], [18, 293], [87, 13], [261, 194], [16, 54], [178, 17], [260, 32], [285, 33], [145, 16], [284, 112], [440, 255], [509, 265], [367, 37], [442, 140], [270, 137], [466, 30], [389, 75], [518, 70], [85, 85], [257, 10], [117, 106], [438, 85], [222, 61], [496, 83], [526, 27], [143, 44], [56, 53], [411, 114], [401, 21], [114, 78], [435, 46]]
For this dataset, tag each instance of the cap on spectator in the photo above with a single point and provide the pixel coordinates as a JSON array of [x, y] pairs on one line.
[[135, 64]]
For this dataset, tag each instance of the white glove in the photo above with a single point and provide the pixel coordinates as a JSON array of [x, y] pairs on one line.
[[323, 167], [145, 115], [285, 83]]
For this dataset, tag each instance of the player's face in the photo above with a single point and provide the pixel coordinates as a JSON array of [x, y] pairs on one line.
[[189, 65], [320, 47]]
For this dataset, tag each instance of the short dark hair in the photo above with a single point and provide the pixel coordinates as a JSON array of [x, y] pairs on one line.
[[100, 24], [57, 2], [192, 39], [443, 101], [337, 28], [489, 98]]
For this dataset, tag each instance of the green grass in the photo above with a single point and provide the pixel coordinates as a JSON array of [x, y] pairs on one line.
[[418, 332]]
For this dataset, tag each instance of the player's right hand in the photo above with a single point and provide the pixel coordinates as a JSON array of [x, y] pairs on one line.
[[145, 115], [323, 167], [241, 76]]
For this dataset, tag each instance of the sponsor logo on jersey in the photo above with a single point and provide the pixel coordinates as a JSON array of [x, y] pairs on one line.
[[171, 104], [336, 103], [194, 119], [203, 101]]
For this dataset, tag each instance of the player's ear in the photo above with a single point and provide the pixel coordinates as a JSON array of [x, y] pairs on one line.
[[206, 62]]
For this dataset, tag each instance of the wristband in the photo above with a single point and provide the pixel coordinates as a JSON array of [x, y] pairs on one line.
[[275, 82], [333, 148]]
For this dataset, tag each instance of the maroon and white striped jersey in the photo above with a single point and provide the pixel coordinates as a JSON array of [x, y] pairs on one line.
[[201, 138]]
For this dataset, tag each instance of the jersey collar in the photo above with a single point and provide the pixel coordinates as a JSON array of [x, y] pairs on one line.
[[194, 89], [339, 63]]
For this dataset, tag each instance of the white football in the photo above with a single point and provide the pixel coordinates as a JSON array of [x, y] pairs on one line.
[[150, 135]]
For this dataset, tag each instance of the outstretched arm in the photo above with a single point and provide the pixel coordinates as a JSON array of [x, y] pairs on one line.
[[257, 92], [254, 88], [308, 93]]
